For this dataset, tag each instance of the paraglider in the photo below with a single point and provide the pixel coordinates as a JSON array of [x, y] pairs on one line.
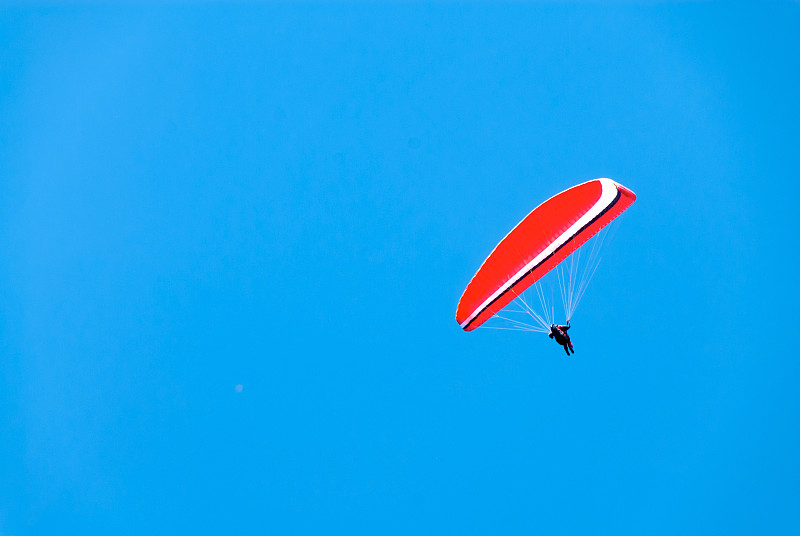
[[559, 333], [547, 236]]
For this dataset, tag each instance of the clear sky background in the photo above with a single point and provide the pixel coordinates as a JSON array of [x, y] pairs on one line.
[[291, 199]]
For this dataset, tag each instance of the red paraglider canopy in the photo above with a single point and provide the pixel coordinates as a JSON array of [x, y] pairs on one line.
[[544, 238]]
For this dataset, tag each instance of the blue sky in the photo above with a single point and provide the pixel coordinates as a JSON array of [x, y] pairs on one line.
[[291, 199]]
